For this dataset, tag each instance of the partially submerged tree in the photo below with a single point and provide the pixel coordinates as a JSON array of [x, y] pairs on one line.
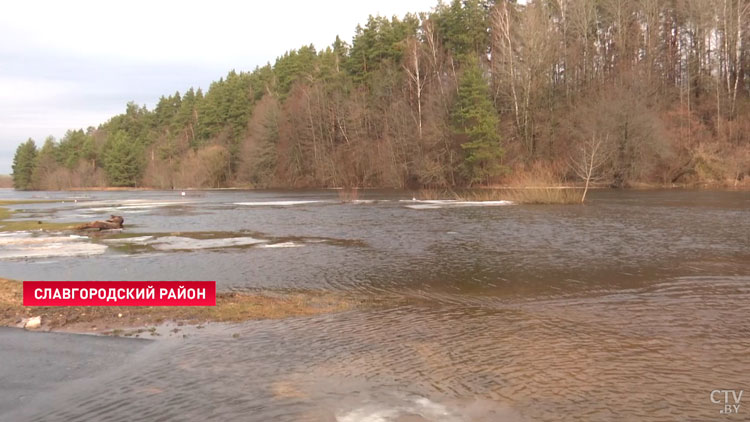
[[588, 160]]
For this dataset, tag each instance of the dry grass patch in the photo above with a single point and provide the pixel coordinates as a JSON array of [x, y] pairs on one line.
[[27, 225], [528, 195], [436, 194], [26, 201], [549, 195]]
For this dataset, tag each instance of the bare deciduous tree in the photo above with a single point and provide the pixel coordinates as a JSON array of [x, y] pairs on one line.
[[416, 79], [588, 159]]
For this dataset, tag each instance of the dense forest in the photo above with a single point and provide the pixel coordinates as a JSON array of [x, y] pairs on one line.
[[475, 92]]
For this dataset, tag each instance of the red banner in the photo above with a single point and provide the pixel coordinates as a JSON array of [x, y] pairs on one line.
[[119, 293]]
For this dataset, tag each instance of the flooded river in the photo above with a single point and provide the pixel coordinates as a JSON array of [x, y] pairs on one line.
[[633, 307]]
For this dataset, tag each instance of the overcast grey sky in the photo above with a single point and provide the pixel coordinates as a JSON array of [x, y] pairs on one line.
[[73, 64]]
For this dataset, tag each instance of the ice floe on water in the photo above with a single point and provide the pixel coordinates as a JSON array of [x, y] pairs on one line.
[[416, 204], [24, 245], [26, 238], [134, 202], [187, 243], [138, 240], [420, 407], [277, 203], [137, 208], [19, 245], [179, 243], [127, 205], [283, 245]]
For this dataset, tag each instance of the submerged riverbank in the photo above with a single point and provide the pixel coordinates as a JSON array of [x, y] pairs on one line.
[[115, 320]]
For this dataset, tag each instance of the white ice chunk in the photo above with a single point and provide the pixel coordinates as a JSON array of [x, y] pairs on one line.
[[185, 243], [275, 203], [47, 246], [139, 240], [445, 203], [284, 245]]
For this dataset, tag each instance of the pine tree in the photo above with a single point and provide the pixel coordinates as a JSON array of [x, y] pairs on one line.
[[47, 161], [475, 123], [380, 43], [463, 26], [70, 147], [89, 150], [123, 160], [23, 165], [266, 159], [295, 65]]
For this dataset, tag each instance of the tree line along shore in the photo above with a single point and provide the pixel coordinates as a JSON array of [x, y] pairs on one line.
[[471, 93]]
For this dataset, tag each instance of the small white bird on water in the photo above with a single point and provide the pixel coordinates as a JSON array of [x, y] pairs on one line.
[[182, 193]]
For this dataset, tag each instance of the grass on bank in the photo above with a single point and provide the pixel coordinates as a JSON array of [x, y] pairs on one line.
[[544, 195], [524, 185], [26, 201], [230, 307], [530, 195], [8, 225]]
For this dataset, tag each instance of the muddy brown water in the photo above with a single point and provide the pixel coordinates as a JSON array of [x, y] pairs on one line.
[[633, 307]]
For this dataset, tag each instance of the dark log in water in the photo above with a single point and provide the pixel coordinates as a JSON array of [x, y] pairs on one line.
[[114, 222]]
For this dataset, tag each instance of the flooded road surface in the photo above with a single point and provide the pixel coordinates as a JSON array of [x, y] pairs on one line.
[[633, 307], [34, 366]]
